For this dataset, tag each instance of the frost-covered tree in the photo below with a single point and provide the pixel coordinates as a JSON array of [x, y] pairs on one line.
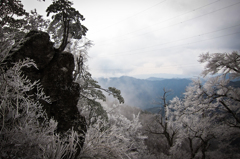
[[196, 130], [221, 62], [209, 113], [117, 138], [164, 126], [217, 90], [91, 92]]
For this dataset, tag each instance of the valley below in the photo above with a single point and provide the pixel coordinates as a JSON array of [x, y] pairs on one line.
[[145, 93]]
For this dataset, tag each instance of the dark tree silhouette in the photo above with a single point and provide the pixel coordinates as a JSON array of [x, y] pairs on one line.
[[69, 19]]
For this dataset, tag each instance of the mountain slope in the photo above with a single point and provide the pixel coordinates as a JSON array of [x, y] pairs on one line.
[[142, 93]]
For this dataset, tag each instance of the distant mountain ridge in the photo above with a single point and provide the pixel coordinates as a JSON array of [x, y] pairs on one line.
[[155, 79], [142, 92]]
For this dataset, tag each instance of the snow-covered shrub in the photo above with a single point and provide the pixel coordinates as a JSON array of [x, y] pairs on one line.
[[25, 131], [116, 138]]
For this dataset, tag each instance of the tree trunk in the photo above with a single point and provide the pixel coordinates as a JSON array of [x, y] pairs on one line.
[[65, 34]]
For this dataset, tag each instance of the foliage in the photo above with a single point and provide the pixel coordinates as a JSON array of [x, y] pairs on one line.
[[25, 131], [16, 22], [118, 138], [12, 18], [67, 29], [206, 120], [34, 21], [208, 115], [204, 124], [10, 9], [91, 92], [66, 22], [163, 125], [225, 62], [224, 99]]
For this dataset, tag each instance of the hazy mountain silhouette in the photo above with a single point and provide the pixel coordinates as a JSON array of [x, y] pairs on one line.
[[142, 93], [155, 79]]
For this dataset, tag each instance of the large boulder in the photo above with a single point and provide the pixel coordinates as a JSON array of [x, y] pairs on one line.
[[37, 46], [55, 74]]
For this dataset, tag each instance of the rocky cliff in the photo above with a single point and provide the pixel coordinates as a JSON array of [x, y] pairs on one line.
[[55, 74]]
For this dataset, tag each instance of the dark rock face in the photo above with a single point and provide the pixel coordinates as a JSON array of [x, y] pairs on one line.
[[37, 46], [55, 74]]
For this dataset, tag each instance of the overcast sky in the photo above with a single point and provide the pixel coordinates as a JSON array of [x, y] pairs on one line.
[[146, 38]]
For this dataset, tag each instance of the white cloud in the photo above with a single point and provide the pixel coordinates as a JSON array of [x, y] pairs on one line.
[[148, 37]]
